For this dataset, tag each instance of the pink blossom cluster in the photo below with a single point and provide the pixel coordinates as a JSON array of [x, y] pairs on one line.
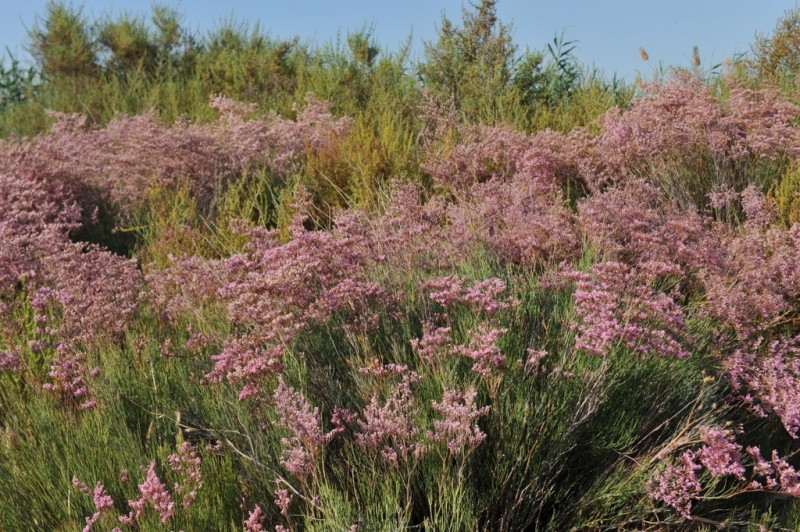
[[391, 428], [374, 368], [254, 520], [720, 454], [280, 143], [767, 379], [355, 301], [634, 223], [678, 485], [185, 464], [676, 122], [411, 233], [133, 152], [35, 221], [307, 439], [102, 502], [458, 426], [481, 296], [96, 292], [776, 474], [283, 501], [616, 307], [482, 348], [92, 295], [436, 343], [522, 220], [187, 286], [756, 289], [481, 153], [297, 415], [274, 290], [80, 294], [154, 494]]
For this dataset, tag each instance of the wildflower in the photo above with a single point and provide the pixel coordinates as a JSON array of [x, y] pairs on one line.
[[482, 348], [458, 426], [255, 520], [391, 429], [102, 502], [153, 493], [283, 501], [435, 343], [186, 464], [720, 455], [677, 484], [534, 360]]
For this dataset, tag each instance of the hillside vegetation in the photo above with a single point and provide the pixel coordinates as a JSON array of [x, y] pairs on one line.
[[258, 284]]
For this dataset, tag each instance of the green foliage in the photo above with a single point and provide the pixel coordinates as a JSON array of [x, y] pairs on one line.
[[786, 194], [474, 64], [129, 65], [17, 84], [777, 56], [244, 64], [62, 43], [126, 44]]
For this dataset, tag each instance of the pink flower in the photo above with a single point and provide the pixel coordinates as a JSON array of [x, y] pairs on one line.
[[482, 348], [391, 428], [283, 501], [153, 493], [677, 485], [255, 520], [458, 426], [186, 465], [102, 502], [720, 455]]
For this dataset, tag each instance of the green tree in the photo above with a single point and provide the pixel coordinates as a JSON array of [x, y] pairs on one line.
[[130, 44], [62, 43], [472, 64], [777, 56], [127, 44]]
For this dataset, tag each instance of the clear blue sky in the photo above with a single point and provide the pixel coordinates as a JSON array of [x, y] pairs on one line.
[[609, 32]]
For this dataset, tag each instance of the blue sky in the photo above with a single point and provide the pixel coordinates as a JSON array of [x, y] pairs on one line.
[[609, 32]]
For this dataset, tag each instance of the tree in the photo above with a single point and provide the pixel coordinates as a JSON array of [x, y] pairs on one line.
[[62, 43], [470, 62], [778, 55]]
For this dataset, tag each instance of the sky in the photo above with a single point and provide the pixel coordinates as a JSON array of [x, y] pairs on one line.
[[609, 33]]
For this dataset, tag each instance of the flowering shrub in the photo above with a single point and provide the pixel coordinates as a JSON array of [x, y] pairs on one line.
[[758, 287], [185, 464], [617, 307], [523, 221], [538, 307], [482, 348], [677, 485], [153, 494], [391, 429], [720, 456], [636, 225], [121, 160], [458, 426], [307, 438], [100, 498], [767, 380], [274, 290]]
